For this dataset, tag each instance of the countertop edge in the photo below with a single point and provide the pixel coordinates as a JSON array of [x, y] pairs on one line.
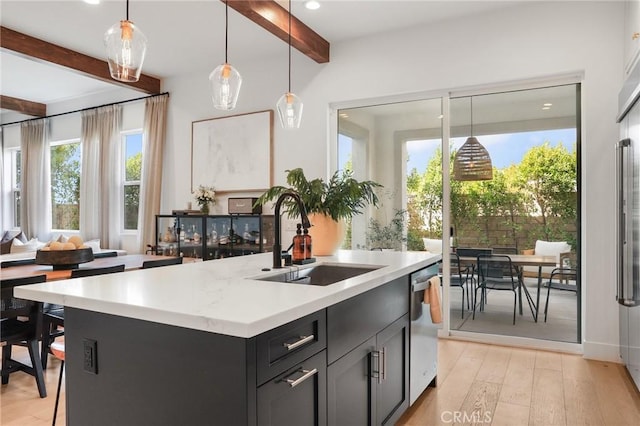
[[321, 298]]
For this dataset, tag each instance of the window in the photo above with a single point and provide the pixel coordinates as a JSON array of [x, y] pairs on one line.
[[65, 185], [132, 172]]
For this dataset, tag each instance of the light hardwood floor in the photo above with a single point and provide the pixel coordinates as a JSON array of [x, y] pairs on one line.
[[496, 385], [477, 383]]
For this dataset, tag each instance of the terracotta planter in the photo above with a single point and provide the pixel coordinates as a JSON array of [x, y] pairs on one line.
[[326, 234]]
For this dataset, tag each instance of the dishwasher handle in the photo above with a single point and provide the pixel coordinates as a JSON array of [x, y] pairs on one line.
[[421, 285]]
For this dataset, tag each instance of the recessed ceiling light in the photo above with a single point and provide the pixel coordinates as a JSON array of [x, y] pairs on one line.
[[312, 5], [547, 104], [92, 1], [344, 115], [546, 107]]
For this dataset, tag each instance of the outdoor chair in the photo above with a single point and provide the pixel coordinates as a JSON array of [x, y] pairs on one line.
[[564, 278], [460, 276], [496, 272]]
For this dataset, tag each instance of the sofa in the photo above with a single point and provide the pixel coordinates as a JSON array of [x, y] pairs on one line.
[[15, 246], [559, 249]]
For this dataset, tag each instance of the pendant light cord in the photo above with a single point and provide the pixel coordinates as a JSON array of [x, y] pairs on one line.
[[289, 46], [471, 107], [226, 29], [127, 10]]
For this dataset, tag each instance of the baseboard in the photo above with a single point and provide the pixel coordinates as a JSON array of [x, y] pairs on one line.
[[601, 352]]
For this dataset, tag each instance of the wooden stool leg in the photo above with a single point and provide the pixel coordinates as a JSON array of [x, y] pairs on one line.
[[55, 410]]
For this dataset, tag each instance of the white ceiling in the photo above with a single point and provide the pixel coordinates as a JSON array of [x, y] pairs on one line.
[[79, 26]]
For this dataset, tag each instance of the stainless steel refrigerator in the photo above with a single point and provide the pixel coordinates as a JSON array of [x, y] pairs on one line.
[[628, 224]]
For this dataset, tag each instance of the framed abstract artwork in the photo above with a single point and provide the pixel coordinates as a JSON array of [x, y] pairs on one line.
[[234, 153]]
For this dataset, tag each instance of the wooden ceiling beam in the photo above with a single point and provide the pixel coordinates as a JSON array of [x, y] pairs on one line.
[[275, 19], [36, 49], [23, 106]]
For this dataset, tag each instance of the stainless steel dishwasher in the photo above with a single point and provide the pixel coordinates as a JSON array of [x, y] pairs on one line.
[[423, 340]]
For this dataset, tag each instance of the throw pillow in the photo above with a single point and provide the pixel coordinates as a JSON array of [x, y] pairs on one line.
[[18, 246]]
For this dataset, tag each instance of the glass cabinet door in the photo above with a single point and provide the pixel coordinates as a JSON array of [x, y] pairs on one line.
[[246, 234], [167, 239], [217, 241], [190, 236]]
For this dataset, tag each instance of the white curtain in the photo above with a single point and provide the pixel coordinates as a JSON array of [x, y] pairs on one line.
[[35, 193], [154, 135], [101, 183]]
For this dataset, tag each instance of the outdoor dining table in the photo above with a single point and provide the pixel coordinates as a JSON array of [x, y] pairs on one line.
[[520, 260]]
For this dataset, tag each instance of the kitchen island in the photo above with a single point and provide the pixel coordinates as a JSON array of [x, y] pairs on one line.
[[212, 343]]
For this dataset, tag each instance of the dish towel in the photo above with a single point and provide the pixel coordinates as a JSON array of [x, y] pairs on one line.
[[432, 298]]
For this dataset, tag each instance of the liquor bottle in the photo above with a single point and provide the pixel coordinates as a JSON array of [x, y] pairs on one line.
[[214, 233], [298, 245]]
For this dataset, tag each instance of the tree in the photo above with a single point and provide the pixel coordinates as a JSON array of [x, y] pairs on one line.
[[133, 173], [549, 175], [65, 186]]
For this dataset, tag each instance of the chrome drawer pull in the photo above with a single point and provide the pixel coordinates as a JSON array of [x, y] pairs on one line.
[[383, 362], [307, 374], [302, 341]]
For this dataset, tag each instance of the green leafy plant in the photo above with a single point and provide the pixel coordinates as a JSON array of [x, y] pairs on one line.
[[389, 236], [339, 198]]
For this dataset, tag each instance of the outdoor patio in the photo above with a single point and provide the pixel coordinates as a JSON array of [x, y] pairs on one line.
[[497, 316]]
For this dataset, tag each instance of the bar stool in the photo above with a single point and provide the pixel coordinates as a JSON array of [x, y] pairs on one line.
[[57, 349]]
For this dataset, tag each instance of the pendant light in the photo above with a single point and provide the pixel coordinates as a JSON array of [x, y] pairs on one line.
[[289, 105], [126, 46], [472, 160], [225, 80]]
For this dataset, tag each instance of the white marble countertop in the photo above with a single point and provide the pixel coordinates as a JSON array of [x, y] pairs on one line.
[[222, 296]]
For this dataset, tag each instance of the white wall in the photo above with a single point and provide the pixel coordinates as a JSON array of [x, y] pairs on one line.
[[520, 43]]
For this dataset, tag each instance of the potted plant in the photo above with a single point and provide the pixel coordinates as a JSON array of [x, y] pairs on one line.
[[389, 236], [328, 204]]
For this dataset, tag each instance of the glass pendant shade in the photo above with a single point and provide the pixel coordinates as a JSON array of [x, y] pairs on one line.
[[225, 86], [289, 110], [126, 46], [472, 162]]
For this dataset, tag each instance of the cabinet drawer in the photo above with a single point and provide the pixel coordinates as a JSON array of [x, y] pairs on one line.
[[296, 397], [283, 347], [351, 322]]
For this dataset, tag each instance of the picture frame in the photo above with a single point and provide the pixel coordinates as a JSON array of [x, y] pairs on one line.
[[233, 153]]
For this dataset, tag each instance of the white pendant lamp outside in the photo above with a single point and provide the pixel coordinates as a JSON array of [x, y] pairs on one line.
[[225, 80], [289, 105], [126, 46], [472, 161]]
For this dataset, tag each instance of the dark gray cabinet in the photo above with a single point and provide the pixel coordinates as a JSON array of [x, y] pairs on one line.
[[392, 394], [369, 385], [368, 351], [296, 397], [346, 364], [350, 388]]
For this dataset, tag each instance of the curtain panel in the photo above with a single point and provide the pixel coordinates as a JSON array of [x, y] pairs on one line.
[[35, 192], [154, 136], [101, 183]]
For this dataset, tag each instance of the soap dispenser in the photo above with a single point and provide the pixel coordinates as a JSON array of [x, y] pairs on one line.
[[306, 239], [298, 245]]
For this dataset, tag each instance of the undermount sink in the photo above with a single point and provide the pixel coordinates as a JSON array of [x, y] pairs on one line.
[[321, 275]]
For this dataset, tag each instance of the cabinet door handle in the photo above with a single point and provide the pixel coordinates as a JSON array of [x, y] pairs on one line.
[[383, 364], [305, 376], [302, 341], [377, 370]]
